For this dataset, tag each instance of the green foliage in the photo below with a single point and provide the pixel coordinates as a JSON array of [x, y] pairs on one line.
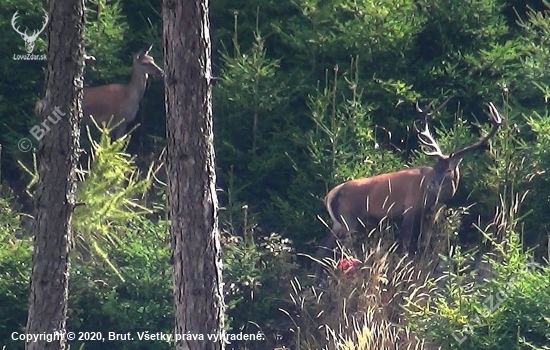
[[538, 160], [464, 48], [108, 194], [343, 142], [15, 266], [252, 140], [535, 36], [100, 301], [21, 80], [328, 30], [504, 312], [257, 274], [249, 83], [105, 31]]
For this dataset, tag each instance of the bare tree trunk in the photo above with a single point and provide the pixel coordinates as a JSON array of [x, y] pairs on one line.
[[57, 158], [199, 306]]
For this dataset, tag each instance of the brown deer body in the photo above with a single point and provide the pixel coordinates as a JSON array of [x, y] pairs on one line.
[[121, 102], [404, 195], [117, 101]]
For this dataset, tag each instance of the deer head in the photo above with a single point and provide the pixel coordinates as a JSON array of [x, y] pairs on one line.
[[146, 64], [446, 166]]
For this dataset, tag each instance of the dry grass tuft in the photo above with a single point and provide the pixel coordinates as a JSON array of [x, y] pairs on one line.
[[362, 306]]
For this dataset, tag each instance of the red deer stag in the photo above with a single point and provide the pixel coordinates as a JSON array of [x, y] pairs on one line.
[[117, 101], [404, 195]]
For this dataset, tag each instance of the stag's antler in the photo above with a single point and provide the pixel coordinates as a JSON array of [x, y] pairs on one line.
[[497, 119], [425, 137]]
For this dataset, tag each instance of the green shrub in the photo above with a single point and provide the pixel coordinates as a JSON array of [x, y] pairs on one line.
[[100, 301], [257, 274], [507, 311], [15, 267]]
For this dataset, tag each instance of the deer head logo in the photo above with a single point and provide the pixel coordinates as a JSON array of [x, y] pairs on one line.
[[29, 39]]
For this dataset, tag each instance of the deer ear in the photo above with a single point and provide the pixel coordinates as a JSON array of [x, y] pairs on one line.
[[143, 52], [455, 161]]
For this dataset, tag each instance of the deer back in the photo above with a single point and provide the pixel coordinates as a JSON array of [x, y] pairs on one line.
[[389, 195]]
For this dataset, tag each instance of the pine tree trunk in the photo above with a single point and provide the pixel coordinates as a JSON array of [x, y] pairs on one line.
[[199, 306], [57, 158]]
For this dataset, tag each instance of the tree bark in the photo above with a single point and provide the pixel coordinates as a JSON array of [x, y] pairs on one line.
[[199, 306], [57, 158]]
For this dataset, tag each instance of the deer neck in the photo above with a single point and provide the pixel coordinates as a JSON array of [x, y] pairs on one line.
[[138, 83]]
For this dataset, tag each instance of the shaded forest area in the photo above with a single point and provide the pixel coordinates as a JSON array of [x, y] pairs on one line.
[[307, 94]]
